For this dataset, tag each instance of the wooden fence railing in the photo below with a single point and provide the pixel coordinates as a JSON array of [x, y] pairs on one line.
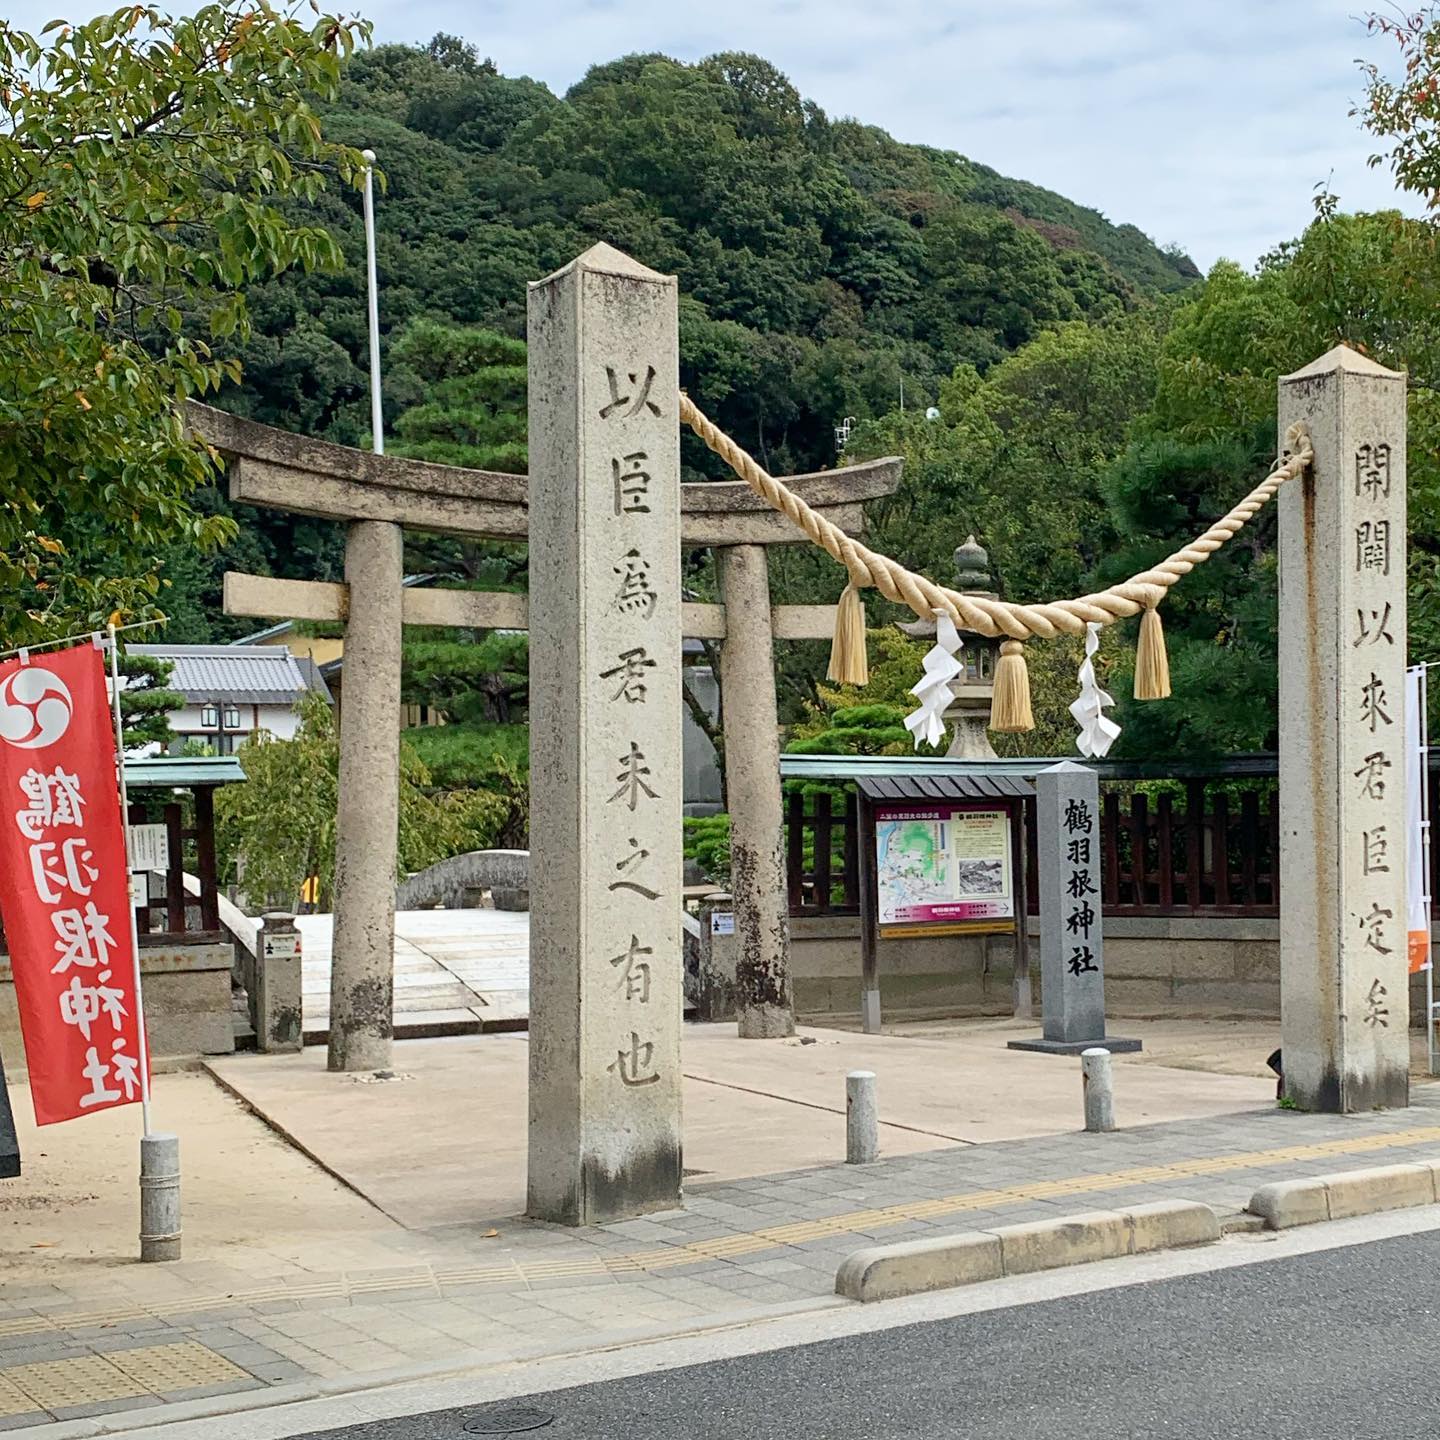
[[1207, 854], [1212, 851], [822, 854]]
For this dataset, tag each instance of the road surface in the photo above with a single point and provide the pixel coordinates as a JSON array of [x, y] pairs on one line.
[[1343, 1343]]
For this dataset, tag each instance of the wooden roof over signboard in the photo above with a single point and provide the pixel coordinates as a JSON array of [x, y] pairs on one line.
[[944, 787]]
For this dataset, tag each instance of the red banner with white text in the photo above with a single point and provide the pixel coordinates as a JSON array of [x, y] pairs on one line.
[[64, 889]]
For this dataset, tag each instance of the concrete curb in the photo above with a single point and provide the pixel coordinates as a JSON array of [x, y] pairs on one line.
[[885, 1272], [1347, 1193]]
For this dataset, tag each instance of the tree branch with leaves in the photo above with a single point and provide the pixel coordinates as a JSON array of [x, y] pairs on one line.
[[142, 157]]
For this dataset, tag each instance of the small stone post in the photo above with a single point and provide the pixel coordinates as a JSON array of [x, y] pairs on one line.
[[763, 997], [862, 1118], [277, 1010], [1072, 950], [367, 821], [605, 717], [1098, 1081], [715, 982], [160, 1197], [1344, 985]]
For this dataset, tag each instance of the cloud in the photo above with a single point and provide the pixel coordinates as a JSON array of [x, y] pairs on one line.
[[1208, 125]]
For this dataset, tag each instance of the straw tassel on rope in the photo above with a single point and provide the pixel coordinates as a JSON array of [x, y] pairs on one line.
[[1152, 664], [1010, 702], [849, 662]]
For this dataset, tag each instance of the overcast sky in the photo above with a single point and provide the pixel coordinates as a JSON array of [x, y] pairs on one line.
[[1207, 123]]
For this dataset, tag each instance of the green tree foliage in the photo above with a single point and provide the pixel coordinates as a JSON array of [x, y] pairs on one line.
[[1053, 666], [848, 720], [145, 702], [140, 161], [1016, 455], [707, 843], [467, 387], [484, 678], [277, 830], [820, 262], [466, 396], [1402, 104], [1364, 280], [1220, 621]]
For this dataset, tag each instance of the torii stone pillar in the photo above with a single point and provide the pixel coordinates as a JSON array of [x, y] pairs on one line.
[[283, 471], [362, 984], [764, 1002], [1344, 984]]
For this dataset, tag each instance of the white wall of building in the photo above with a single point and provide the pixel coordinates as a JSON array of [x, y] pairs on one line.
[[280, 721]]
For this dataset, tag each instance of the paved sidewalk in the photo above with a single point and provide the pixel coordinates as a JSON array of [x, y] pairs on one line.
[[466, 1295], [751, 1108]]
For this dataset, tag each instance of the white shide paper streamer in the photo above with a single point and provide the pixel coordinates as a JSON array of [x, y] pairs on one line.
[[927, 724], [1097, 731]]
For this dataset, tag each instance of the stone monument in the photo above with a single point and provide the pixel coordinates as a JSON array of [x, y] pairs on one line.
[[605, 762], [1344, 985], [1072, 944]]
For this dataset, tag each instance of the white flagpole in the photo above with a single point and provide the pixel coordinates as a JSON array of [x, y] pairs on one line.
[[130, 882], [377, 419], [160, 1237]]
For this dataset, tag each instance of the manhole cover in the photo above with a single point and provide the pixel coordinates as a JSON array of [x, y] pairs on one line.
[[508, 1422]]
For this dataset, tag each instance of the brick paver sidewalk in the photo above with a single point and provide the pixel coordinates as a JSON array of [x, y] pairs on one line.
[[468, 1295]]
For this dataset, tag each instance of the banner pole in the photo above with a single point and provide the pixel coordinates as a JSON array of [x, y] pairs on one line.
[[129, 880], [372, 288], [1424, 738]]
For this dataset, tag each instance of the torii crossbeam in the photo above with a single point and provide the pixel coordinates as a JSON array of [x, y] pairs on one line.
[[379, 495]]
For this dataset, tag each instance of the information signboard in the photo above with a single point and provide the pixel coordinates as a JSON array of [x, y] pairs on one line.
[[942, 863]]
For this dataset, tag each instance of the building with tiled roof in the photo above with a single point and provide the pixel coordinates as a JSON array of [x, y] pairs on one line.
[[234, 691]]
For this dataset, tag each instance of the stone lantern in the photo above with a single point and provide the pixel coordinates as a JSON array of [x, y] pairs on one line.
[[968, 714]]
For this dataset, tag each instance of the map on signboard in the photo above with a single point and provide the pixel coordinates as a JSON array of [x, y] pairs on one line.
[[912, 864], [942, 865]]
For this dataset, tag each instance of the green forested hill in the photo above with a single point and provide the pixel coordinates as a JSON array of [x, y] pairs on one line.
[[825, 270], [821, 261], [1088, 420]]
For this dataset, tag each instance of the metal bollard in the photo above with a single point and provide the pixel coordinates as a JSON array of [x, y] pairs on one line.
[[1099, 1086], [862, 1119], [160, 1197]]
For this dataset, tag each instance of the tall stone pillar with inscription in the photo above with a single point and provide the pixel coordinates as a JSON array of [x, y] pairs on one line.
[[1344, 992], [605, 764], [1072, 947]]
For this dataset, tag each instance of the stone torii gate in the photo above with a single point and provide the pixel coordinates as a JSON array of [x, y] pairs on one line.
[[378, 496]]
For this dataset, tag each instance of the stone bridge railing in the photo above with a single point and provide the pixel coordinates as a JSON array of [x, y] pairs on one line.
[[456, 883]]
